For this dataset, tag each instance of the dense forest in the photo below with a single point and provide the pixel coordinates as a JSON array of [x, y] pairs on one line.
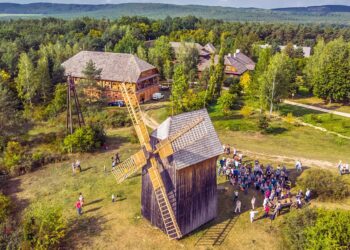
[[31, 53], [321, 14]]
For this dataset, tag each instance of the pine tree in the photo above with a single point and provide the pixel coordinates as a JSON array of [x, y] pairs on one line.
[[89, 84]]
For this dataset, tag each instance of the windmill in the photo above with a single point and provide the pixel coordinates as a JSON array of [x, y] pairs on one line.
[[152, 157]]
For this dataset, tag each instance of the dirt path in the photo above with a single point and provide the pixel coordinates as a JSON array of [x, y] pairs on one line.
[[281, 158], [317, 108]]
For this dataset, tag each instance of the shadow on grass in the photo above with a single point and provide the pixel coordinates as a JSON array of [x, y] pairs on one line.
[[82, 231], [91, 210], [11, 188], [86, 169], [93, 202], [276, 130]]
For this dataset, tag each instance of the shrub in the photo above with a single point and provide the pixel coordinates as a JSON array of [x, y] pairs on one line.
[[290, 118], [324, 184], [84, 139], [293, 225], [227, 102], [311, 228], [44, 227], [14, 154], [263, 122], [246, 111], [4, 207], [113, 118], [331, 231]]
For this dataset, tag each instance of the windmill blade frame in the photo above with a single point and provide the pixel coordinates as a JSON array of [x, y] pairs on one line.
[[129, 166], [185, 137]]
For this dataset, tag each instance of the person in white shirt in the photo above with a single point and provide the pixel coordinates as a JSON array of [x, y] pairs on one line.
[[298, 166], [266, 201], [238, 206], [307, 195], [252, 215], [253, 202]]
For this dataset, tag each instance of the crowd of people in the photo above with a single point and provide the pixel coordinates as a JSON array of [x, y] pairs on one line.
[[272, 183]]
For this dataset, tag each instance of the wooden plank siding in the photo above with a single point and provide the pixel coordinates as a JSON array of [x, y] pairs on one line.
[[195, 202], [111, 89]]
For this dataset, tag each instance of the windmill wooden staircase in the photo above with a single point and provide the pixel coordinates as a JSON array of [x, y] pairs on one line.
[[171, 227]]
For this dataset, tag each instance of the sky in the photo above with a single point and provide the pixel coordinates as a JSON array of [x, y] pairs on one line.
[[267, 4]]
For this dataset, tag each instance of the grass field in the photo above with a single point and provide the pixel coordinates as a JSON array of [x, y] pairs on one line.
[[107, 225]]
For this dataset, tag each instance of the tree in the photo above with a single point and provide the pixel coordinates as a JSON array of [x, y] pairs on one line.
[[328, 70], [128, 44], [25, 82], [178, 90], [44, 226], [43, 79], [245, 81], [168, 69], [141, 53], [10, 118], [89, 84], [188, 56], [59, 101], [252, 90], [276, 81], [160, 54]]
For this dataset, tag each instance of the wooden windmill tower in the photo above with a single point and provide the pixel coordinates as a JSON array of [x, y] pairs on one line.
[[72, 94], [164, 192]]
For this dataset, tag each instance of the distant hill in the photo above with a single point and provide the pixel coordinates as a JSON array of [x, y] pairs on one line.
[[156, 11], [317, 9]]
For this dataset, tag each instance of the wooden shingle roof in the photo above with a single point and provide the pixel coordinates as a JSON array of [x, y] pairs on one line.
[[115, 66], [198, 150]]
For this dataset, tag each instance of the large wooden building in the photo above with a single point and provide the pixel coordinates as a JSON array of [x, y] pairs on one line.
[[189, 175], [116, 68]]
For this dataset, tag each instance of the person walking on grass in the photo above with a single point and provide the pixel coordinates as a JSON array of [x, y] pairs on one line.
[[81, 199], [77, 165], [117, 159], [73, 168], [298, 166], [238, 206], [252, 215], [253, 202], [113, 163], [235, 197], [113, 198], [78, 207]]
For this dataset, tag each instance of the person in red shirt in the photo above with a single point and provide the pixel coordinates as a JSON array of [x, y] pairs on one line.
[[267, 210], [78, 207]]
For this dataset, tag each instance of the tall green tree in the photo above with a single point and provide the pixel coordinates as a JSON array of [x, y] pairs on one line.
[[178, 90], [160, 53], [276, 81], [25, 82], [252, 90], [128, 44], [328, 70], [168, 69], [43, 79], [141, 53], [188, 56]]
